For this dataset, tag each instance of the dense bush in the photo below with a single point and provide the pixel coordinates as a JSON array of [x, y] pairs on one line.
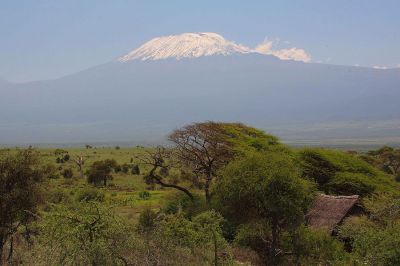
[[375, 237], [87, 233], [344, 183], [339, 172]]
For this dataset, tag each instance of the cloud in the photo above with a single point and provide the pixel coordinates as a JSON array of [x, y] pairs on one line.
[[380, 67], [297, 54], [386, 67]]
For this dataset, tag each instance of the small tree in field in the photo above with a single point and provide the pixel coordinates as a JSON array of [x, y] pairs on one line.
[[100, 171], [20, 178]]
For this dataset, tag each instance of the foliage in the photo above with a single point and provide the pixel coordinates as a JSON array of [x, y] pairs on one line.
[[338, 172], [147, 220], [178, 203], [375, 239], [386, 158], [314, 247], [202, 232], [265, 187], [86, 233], [20, 192], [345, 183]]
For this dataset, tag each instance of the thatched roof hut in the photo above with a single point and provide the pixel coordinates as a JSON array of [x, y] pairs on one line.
[[329, 211]]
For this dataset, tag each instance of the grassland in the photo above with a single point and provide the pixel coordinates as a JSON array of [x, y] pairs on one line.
[[123, 191]]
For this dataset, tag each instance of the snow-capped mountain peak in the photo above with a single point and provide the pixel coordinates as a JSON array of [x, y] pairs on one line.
[[186, 45]]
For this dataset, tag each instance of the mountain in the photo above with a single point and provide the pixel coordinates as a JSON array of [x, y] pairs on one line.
[[186, 45], [173, 80]]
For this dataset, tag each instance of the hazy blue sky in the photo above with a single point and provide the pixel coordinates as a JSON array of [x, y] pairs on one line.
[[46, 39]]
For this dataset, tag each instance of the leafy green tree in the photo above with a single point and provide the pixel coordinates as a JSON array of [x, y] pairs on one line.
[[268, 188], [100, 171], [20, 179], [87, 233]]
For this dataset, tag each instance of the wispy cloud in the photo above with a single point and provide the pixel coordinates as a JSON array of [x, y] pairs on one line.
[[381, 67], [293, 53]]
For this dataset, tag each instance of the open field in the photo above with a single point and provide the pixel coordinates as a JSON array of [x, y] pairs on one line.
[[122, 191]]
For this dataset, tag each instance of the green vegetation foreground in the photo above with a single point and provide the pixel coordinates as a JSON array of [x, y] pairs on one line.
[[221, 194]]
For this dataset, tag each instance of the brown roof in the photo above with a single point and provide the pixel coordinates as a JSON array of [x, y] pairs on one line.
[[328, 211]]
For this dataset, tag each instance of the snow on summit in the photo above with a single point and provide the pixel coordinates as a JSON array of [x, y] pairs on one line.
[[186, 45]]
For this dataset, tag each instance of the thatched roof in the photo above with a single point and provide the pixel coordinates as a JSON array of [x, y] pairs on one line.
[[329, 211]]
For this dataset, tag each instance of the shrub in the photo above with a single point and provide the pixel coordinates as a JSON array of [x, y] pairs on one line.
[[147, 220], [84, 234], [67, 173], [314, 247], [58, 196], [135, 170], [144, 195], [117, 168], [90, 194], [179, 203], [100, 172], [125, 168], [66, 157]]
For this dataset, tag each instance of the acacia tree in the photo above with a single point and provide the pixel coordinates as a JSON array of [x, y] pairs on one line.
[[203, 148], [206, 147], [158, 159], [267, 189], [20, 178]]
